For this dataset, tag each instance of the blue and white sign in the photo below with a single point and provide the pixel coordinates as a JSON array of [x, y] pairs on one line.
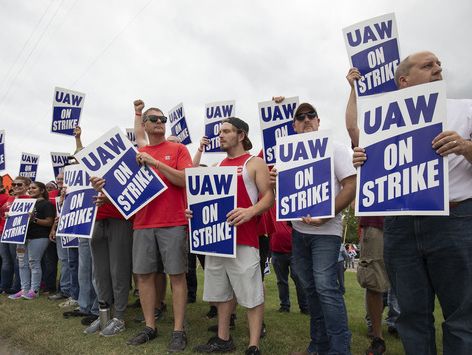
[[214, 114], [276, 121], [178, 124], [131, 136], [16, 224], [2, 150], [70, 242], [372, 47], [129, 186], [29, 165], [305, 179], [66, 109], [403, 174], [78, 211], [211, 195], [59, 161]]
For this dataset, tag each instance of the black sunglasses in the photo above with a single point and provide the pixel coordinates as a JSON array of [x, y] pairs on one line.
[[154, 118], [14, 184], [311, 115]]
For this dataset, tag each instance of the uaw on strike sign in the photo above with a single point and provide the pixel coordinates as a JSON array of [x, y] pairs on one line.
[[403, 174], [67, 107]]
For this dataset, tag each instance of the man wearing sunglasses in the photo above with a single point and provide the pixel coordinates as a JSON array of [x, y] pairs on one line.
[[160, 228], [315, 248]]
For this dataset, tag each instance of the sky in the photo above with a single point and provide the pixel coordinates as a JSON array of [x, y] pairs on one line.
[[197, 52]]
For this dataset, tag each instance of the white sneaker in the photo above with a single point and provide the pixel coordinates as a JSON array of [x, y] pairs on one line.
[[69, 303], [93, 328], [113, 327]]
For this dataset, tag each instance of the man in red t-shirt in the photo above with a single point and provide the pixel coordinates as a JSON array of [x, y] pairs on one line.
[[160, 228], [240, 277]]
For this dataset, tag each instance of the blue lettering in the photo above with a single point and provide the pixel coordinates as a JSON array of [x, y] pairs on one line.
[[368, 128], [210, 184], [421, 108], [393, 116], [65, 98], [116, 144], [223, 183], [316, 148], [383, 30]]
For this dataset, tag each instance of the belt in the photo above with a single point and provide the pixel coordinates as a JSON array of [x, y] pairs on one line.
[[454, 204]]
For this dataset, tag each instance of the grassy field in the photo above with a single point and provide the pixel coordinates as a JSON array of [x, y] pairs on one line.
[[37, 327]]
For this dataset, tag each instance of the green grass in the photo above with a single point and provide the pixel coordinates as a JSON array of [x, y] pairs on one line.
[[37, 327]]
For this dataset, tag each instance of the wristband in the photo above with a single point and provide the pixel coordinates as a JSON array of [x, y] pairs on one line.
[[138, 114]]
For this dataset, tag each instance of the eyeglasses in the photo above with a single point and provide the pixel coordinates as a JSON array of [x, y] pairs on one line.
[[311, 115], [154, 118], [17, 184]]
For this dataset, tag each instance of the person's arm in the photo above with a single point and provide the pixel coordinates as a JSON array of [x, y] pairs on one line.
[[351, 109], [52, 233], [449, 142], [78, 140], [198, 154], [258, 169], [140, 134]]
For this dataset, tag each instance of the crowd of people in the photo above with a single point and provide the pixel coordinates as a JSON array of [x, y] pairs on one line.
[[405, 261]]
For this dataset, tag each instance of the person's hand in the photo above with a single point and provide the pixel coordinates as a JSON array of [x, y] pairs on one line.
[[273, 178], [239, 216], [77, 131], [144, 158], [352, 75], [449, 142], [317, 222], [188, 214], [203, 143], [97, 183], [138, 106], [278, 99], [52, 235], [100, 199], [359, 157]]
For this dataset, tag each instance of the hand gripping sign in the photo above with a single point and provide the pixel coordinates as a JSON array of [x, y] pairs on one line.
[[29, 165], [129, 186], [403, 175], [78, 211], [178, 124], [16, 225], [66, 109], [59, 161], [214, 114], [276, 121], [2, 150], [211, 195], [372, 47], [305, 176]]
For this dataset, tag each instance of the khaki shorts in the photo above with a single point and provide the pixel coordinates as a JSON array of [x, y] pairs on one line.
[[160, 250], [371, 273], [227, 277]]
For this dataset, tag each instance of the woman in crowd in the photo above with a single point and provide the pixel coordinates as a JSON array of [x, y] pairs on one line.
[[29, 254]]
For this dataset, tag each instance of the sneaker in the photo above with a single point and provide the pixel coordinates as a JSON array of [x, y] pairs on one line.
[[57, 297], [75, 313], [17, 296], [212, 313], [145, 335], [377, 347], [284, 309], [252, 350], [30, 295], [93, 327], [263, 330], [69, 303], [232, 325], [89, 319], [216, 344], [178, 342], [114, 326]]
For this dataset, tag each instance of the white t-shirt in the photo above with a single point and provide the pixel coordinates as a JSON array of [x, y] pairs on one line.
[[343, 168], [459, 119]]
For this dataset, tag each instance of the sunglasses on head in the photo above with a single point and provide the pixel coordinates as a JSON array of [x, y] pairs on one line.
[[17, 184], [311, 115], [154, 118]]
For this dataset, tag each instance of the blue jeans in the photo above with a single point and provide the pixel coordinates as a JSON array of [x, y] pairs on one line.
[[10, 268], [73, 262], [393, 309], [283, 264], [29, 260], [315, 262], [88, 301], [63, 256], [427, 256]]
